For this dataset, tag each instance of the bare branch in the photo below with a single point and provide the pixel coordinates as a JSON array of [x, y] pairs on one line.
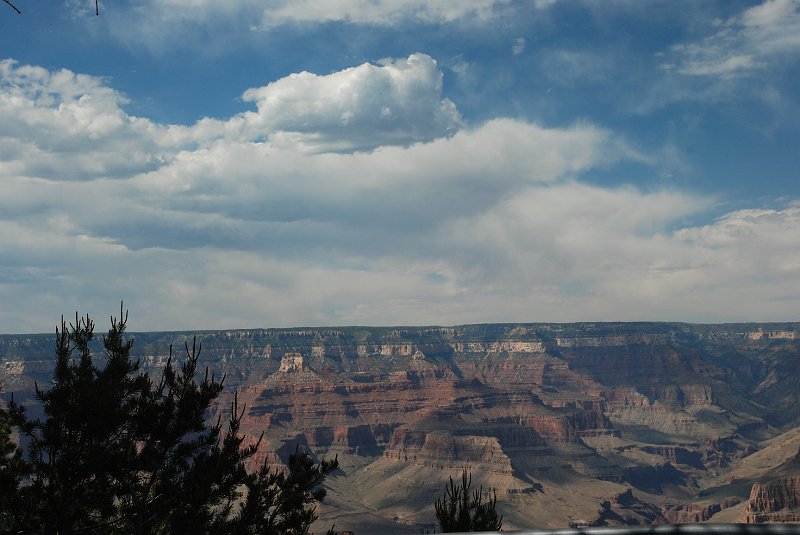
[[15, 7]]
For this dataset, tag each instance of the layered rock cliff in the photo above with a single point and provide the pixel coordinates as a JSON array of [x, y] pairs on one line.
[[775, 500], [555, 417]]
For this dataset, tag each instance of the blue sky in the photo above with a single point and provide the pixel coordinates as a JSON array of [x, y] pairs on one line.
[[294, 163]]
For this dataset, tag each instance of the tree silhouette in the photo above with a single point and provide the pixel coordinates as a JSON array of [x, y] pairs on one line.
[[460, 510], [118, 453], [12, 471]]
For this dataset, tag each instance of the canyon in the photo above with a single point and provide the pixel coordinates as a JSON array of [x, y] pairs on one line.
[[569, 424]]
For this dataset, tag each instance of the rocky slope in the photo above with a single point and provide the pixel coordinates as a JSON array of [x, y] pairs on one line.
[[571, 423]]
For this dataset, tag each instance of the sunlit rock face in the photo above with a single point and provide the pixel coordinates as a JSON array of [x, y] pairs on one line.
[[560, 420], [775, 500]]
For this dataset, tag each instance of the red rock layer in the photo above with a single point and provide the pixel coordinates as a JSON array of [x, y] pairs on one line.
[[777, 500]]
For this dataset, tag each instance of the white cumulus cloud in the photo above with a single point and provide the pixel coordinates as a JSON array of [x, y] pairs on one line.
[[395, 102], [202, 226], [68, 126], [63, 125]]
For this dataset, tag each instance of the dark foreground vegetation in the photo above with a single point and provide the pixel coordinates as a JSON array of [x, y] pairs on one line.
[[461, 510], [117, 452]]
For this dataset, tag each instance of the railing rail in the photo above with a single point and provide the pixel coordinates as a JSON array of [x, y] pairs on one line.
[[671, 529]]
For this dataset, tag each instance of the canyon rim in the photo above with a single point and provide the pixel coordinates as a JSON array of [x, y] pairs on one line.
[[571, 424]]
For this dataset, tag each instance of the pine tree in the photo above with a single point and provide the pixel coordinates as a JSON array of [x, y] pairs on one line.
[[460, 510], [12, 471], [281, 503], [118, 453]]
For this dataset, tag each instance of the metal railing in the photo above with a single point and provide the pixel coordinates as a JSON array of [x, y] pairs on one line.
[[671, 529]]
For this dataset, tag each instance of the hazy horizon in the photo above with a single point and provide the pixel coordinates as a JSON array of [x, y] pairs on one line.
[[100, 329]]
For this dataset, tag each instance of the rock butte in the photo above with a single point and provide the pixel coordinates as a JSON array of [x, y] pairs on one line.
[[571, 424]]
